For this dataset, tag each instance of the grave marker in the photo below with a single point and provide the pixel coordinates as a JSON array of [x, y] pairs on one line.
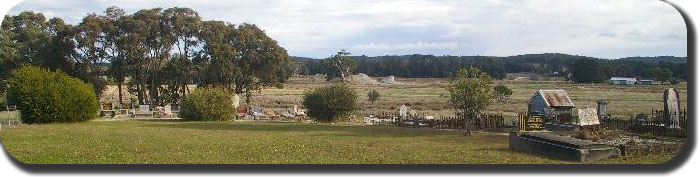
[[403, 110], [587, 117], [672, 107]]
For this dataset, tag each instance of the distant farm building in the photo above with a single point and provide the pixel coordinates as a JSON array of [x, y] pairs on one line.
[[555, 105], [646, 82], [623, 81]]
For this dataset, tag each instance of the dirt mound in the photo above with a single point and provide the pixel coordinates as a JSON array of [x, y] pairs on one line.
[[358, 79], [388, 80]]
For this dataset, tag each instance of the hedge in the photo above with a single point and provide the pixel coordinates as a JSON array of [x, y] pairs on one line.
[[207, 104], [44, 96]]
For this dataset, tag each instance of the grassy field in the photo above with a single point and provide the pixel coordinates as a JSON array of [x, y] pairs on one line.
[[428, 96], [137, 142]]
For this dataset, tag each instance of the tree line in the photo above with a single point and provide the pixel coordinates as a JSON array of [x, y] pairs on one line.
[[152, 53], [571, 67]]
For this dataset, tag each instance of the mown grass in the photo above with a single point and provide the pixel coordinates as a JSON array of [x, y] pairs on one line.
[[137, 142]]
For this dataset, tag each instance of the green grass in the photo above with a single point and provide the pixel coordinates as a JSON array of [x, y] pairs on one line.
[[136, 142]]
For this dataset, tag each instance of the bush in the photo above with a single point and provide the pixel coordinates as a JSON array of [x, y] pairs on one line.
[[373, 96], [208, 104], [330, 103], [43, 96], [674, 82], [502, 92]]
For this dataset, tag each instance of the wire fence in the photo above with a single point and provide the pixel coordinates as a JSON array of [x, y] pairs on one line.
[[481, 122]]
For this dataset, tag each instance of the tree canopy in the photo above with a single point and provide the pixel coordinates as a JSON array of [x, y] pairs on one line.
[[154, 52]]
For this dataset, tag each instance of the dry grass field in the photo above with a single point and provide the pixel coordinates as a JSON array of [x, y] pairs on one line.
[[428, 96]]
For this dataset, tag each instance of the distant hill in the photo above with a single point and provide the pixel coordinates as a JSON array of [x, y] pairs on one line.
[[657, 59]]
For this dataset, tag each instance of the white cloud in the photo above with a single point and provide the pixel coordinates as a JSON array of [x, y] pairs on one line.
[[319, 28]]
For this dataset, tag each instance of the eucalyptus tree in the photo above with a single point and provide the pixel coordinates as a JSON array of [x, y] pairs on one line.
[[217, 54], [90, 39], [29, 33], [182, 26], [259, 60], [62, 45], [339, 65], [115, 53], [135, 55]]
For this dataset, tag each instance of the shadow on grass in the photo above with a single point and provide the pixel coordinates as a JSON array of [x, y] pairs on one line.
[[322, 129]]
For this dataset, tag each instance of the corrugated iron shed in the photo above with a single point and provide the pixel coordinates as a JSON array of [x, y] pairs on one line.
[[556, 98]]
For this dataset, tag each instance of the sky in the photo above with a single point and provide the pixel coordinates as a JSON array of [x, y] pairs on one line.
[[320, 28]]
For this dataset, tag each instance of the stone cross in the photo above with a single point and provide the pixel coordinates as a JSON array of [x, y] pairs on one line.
[[672, 107]]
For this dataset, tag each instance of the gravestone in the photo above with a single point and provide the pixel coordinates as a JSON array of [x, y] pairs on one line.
[[144, 108], [236, 100], [588, 117], [168, 110], [534, 123], [672, 107], [602, 108], [402, 111]]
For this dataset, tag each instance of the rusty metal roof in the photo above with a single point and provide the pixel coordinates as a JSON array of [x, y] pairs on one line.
[[556, 98]]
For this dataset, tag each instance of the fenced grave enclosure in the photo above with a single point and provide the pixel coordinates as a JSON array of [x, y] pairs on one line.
[[658, 124], [9, 117]]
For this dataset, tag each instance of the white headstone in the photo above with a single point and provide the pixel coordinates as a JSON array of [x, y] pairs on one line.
[[672, 107], [167, 109], [588, 116], [236, 100], [403, 110], [144, 108]]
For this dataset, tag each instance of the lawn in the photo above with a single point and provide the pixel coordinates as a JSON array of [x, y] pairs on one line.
[[142, 142]]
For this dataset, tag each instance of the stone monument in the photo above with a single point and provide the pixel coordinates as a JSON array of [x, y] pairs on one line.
[[588, 117], [602, 108], [672, 107], [403, 111]]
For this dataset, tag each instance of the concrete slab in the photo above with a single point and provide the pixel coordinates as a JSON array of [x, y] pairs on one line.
[[562, 147]]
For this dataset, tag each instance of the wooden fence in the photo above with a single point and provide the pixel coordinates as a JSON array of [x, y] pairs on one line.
[[658, 124]]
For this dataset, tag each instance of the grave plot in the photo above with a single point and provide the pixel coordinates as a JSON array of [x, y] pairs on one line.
[[567, 148]]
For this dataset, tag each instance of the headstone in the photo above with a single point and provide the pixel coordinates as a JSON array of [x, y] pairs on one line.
[[167, 109], [534, 123], [602, 108], [672, 107], [587, 117], [144, 108], [403, 110], [236, 100]]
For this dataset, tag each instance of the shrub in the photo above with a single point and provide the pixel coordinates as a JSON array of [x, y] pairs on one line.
[[502, 92], [674, 82], [208, 104], [373, 96], [43, 96], [330, 103]]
